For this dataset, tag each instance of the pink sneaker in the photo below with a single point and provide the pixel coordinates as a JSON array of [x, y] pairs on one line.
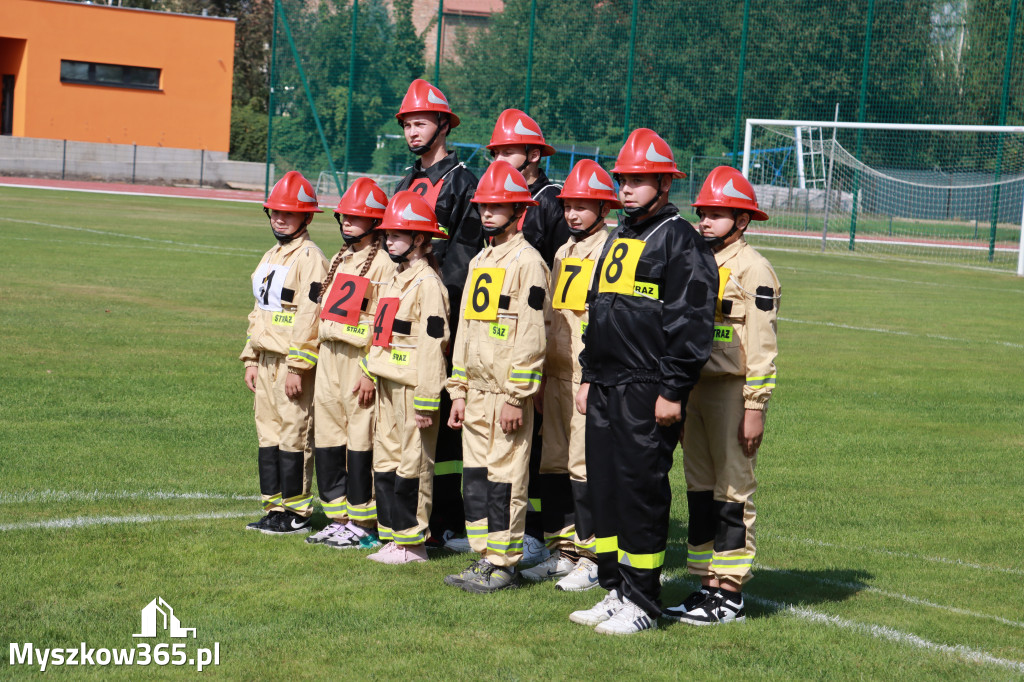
[[405, 554], [383, 553]]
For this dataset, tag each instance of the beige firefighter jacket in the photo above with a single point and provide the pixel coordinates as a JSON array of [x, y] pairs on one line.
[[380, 272], [745, 322], [419, 338], [565, 325], [284, 319], [505, 352]]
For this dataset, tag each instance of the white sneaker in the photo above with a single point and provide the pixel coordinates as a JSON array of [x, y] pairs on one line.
[[325, 533], [534, 551], [555, 566], [460, 545], [600, 612], [583, 577], [628, 620]]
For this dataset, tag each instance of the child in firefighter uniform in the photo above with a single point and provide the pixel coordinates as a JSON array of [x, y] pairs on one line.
[[280, 357], [343, 430], [651, 323], [406, 359], [496, 371], [725, 414], [588, 196], [518, 139], [447, 186]]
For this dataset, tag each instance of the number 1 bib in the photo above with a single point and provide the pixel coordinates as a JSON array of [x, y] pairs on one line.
[[573, 282], [485, 290], [619, 272], [345, 299]]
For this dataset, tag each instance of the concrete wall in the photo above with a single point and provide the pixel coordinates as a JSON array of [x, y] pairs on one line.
[[34, 157]]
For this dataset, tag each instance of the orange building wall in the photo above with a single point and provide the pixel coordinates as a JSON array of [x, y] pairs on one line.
[[195, 55]]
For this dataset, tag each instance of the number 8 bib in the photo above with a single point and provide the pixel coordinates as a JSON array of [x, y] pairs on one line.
[[485, 289], [619, 272]]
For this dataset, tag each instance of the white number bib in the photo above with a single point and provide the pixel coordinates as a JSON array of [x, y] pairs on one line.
[[267, 283]]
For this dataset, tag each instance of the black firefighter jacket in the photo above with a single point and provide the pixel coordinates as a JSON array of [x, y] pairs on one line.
[[663, 329]]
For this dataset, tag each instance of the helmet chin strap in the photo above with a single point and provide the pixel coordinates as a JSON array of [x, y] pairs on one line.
[[422, 149], [400, 258], [638, 211], [279, 236], [578, 234], [492, 232], [717, 243], [349, 241]]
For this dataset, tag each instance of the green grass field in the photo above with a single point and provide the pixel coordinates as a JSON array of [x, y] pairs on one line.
[[891, 525]]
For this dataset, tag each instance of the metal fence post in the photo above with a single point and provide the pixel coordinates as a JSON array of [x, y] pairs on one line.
[[739, 86], [529, 57], [64, 160], [860, 119], [351, 87], [135, 152], [437, 54], [270, 102], [1007, 66], [202, 163], [629, 76]]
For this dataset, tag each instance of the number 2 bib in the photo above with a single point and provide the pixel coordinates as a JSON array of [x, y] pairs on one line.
[[345, 299], [485, 290], [573, 282], [619, 272]]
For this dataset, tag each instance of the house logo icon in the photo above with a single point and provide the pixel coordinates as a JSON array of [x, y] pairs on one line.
[[159, 613]]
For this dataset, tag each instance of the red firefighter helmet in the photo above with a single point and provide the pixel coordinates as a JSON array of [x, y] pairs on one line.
[[293, 193], [503, 184], [726, 187], [409, 212], [588, 180], [423, 97], [363, 198], [646, 152], [515, 127]]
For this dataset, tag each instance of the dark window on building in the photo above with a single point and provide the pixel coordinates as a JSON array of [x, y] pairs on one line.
[[112, 75]]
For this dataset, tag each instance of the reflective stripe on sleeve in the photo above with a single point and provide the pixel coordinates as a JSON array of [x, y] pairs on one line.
[[426, 404], [459, 373], [761, 382], [526, 376], [311, 358]]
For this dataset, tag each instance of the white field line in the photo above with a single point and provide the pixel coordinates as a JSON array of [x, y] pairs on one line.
[[860, 587], [877, 278], [886, 242], [876, 631], [106, 233], [124, 194], [891, 634], [84, 521], [902, 555], [895, 332], [51, 496], [889, 257], [166, 249]]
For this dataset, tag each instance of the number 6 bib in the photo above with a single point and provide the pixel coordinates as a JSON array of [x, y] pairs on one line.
[[619, 272], [485, 289]]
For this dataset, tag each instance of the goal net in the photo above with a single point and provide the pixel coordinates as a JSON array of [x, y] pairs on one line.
[[936, 193]]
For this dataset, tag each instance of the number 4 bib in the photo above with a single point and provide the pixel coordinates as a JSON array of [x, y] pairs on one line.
[[619, 272], [485, 289]]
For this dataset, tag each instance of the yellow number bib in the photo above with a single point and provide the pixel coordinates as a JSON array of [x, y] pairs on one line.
[[723, 279], [619, 272], [573, 282], [482, 297]]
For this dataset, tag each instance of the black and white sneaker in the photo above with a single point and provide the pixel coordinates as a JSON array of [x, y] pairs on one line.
[[265, 522], [718, 608], [689, 604], [288, 523]]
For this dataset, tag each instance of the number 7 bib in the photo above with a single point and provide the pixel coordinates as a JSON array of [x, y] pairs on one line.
[[573, 282], [619, 272], [485, 289]]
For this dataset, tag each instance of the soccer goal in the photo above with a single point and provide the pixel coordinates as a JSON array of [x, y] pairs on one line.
[[937, 193]]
